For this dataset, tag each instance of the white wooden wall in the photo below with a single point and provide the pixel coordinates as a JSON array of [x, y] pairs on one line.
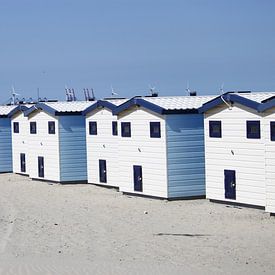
[[270, 161], [102, 146], [45, 145], [20, 142], [235, 152], [142, 150]]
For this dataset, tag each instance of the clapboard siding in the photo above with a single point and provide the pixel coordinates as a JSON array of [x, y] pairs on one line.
[[5, 145], [235, 152], [20, 142], [141, 149], [270, 161], [72, 142], [43, 144], [185, 155], [102, 146]]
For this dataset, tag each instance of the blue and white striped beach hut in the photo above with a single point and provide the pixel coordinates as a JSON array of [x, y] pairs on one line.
[[161, 146], [57, 141], [6, 138]]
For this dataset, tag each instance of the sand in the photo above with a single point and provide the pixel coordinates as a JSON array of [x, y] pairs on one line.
[[85, 229]]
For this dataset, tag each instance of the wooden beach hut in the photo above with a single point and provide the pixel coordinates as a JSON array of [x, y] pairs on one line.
[[57, 141], [6, 138], [102, 142], [239, 149], [161, 146]]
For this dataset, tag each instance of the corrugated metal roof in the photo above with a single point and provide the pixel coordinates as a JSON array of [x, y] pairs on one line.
[[117, 101], [257, 97], [179, 102], [69, 106], [5, 110]]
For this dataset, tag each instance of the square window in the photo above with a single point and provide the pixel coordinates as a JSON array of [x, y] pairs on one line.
[[16, 127], [51, 127], [253, 129], [215, 129], [33, 127], [272, 130], [155, 129], [114, 128], [126, 129], [93, 128]]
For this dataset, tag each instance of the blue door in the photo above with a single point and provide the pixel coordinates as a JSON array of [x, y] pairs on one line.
[[102, 171], [230, 184], [40, 167], [23, 163], [137, 178]]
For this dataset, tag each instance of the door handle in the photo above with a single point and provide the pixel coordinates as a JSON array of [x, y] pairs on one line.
[[139, 178], [233, 184]]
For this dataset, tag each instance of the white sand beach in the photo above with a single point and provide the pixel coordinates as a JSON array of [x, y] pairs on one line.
[[85, 229]]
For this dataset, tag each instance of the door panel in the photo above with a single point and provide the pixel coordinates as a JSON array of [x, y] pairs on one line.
[[230, 184], [41, 167], [23, 163], [102, 171], [138, 178]]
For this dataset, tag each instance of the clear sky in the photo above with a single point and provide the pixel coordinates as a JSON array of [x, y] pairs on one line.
[[133, 43]]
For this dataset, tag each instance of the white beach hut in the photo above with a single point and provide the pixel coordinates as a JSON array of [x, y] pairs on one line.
[[102, 142], [238, 149], [6, 138], [161, 146], [57, 141], [20, 137]]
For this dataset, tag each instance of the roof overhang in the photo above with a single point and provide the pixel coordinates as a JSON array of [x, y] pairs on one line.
[[19, 108], [230, 98], [99, 104], [138, 102]]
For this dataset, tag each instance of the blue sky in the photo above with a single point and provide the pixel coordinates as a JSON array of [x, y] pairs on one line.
[[133, 43]]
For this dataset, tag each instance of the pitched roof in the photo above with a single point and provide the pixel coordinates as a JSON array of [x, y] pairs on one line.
[[251, 100], [110, 104], [61, 108], [5, 110], [166, 104]]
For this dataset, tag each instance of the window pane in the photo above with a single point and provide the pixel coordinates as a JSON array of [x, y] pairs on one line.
[[16, 127], [215, 129], [272, 130], [33, 127], [93, 128], [155, 129], [125, 129], [51, 127], [253, 129], [114, 128]]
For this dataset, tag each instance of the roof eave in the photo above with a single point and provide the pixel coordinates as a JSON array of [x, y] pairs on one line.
[[99, 104], [138, 102]]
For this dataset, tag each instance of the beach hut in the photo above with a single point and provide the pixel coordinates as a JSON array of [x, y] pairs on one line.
[[20, 134], [161, 146], [57, 141], [238, 148], [102, 142], [6, 138], [267, 108]]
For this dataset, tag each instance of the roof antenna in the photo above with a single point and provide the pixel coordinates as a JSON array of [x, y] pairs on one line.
[[113, 93], [153, 91], [189, 92], [221, 89], [221, 94]]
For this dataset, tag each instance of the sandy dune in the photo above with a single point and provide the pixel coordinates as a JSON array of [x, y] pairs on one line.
[[84, 229]]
